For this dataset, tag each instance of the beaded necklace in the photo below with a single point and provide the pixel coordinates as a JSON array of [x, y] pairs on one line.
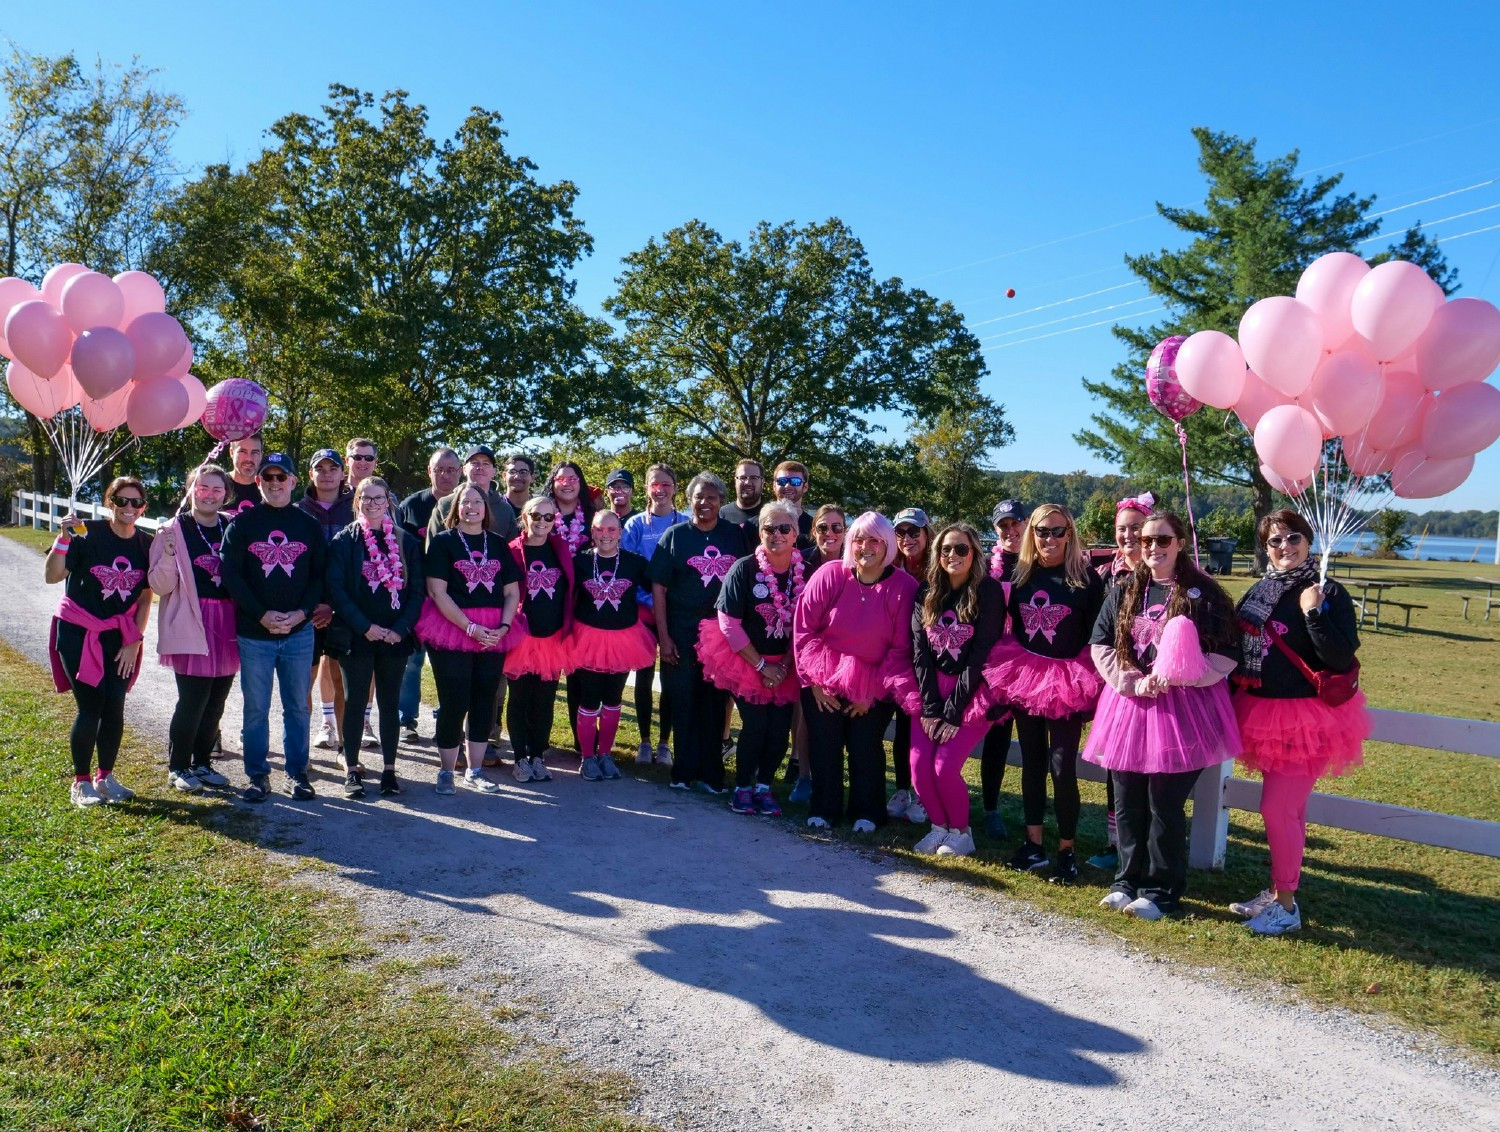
[[782, 600]]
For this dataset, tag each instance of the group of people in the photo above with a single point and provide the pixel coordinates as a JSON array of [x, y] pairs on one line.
[[819, 632]]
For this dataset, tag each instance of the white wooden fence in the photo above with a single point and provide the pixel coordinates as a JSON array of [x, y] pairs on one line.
[[45, 512]]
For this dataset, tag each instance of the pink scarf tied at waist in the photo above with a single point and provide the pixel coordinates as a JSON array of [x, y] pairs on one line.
[[91, 664]]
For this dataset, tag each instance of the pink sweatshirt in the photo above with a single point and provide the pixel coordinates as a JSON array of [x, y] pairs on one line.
[[847, 634]]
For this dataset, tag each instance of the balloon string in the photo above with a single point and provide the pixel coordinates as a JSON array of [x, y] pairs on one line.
[[1187, 489], [214, 452]]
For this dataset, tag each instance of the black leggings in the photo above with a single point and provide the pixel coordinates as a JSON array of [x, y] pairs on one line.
[[992, 764], [466, 683], [901, 751], [528, 714], [387, 665], [643, 681], [1050, 745], [829, 735], [765, 734], [194, 731], [100, 722], [600, 689]]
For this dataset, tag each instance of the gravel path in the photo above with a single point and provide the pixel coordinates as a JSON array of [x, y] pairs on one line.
[[747, 977]]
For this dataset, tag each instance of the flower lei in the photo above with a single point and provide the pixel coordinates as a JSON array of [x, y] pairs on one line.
[[387, 565], [780, 599], [574, 533], [997, 561]]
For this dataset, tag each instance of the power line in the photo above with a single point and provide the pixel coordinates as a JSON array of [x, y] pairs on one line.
[[1069, 318], [1071, 330], [1033, 247], [1440, 220], [1058, 303], [1429, 200]]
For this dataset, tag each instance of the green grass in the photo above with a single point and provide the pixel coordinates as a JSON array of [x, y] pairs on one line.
[[157, 971], [30, 536]]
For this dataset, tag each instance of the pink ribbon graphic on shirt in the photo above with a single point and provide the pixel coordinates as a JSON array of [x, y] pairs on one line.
[[278, 552], [949, 635], [712, 565], [118, 579], [1041, 616]]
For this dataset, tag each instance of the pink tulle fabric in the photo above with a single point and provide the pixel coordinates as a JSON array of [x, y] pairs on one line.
[[611, 650], [1042, 685], [223, 656], [901, 684], [547, 657], [1179, 653], [848, 677], [726, 669], [1184, 728], [437, 632], [1302, 736]]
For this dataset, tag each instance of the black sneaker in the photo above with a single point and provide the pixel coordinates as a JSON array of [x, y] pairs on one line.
[[388, 783], [1028, 858], [299, 787], [1065, 871], [259, 789], [353, 787]]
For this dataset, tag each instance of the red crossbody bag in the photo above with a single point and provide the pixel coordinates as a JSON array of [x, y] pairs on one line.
[[1334, 688]]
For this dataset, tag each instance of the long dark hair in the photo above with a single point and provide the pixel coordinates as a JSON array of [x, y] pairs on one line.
[[585, 493], [939, 586], [1212, 611]]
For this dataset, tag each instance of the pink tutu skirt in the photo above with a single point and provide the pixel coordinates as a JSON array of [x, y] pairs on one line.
[[610, 650], [901, 683], [726, 669], [437, 632], [547, 657], [1042, 685], [1185, 728], [223, 656], [847, 677], [1302, 736]]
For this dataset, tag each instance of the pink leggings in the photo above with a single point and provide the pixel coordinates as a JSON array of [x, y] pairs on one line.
[[1283, 805], [938, 772]]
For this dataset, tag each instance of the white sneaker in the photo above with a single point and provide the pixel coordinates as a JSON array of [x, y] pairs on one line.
[[816, 822], [898, 803], [325, 740], [208, 776], [1115, 901], [1276, 920], [184, 781], [522, 769], [83, 794], [539, 771], [111, 789], [916, 813], [1255, 906], [370, 739], [957, 844], [864, 825], [475, 780], [933, 839], [663, 755], [1143, 909], [643, 756]]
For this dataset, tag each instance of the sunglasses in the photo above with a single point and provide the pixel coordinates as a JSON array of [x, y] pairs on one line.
[[1051, 532], [960, 550], [1161, 542], [908, 532], [127, 501], [1275, 541], [538, 517], [830, 528], [358, 456], [789, 481], [777, 529], [273, 477], [564, 479]]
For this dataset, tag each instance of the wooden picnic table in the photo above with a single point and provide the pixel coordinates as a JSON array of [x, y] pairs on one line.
[[1490, 600], [1372, 604]]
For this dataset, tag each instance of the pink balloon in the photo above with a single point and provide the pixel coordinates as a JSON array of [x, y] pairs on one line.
[[56, 279], [14, 292], [1163, 389], [181, 366], [1462, 421], [1418, 476], [90, 299], [1461, 344], [1283, 342], [103, 360], [38, 337], [106, 413], [1255, 399], [1327, 286], [1363, 459], [1286, 487], [1211, 368], [1344, 392], [1392, 306], [39, 396], [158, 341], [1395, 423], [235, 409], [156, 405], [197, 398], [143, 295], [1289, 441]]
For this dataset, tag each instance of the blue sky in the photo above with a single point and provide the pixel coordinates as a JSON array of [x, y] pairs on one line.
[[972, 147]]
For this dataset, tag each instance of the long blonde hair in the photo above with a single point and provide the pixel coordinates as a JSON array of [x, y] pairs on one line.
[[1074, 559], [939, 585]]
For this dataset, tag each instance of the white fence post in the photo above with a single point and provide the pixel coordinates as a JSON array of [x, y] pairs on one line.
[[1209, 836]]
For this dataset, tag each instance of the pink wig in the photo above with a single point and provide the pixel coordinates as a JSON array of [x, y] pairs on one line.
[[870, 523]]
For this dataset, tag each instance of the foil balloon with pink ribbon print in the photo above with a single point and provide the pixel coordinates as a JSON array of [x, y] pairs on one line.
[[1162, 386], [234, 409]]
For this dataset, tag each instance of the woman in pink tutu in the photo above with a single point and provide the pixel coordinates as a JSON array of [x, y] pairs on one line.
[[467, 623], [747, 651], [195, 633], [1044, 672], [1164, 643], [535, 665], [957, 619], [1291, 735], [851, 628], [608, 642]]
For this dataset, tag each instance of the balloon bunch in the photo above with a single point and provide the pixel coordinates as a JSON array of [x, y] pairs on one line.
[[1375, 360]]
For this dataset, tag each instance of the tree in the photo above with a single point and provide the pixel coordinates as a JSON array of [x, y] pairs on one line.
[[786, 347], [1259, 227], [1388, 525], [85, 159], [381, 283], [951, 451]]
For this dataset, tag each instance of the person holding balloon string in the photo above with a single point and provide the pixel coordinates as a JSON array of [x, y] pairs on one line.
[[1296, 627], [1009, 520], [95, 642]]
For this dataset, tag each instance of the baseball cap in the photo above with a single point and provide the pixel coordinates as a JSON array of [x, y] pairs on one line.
[[619, 475], [279, 460], [913, 515], [326, 454], [1008, 509], [480, 450]]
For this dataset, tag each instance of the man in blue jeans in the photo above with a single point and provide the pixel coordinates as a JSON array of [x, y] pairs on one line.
[[273, 563]]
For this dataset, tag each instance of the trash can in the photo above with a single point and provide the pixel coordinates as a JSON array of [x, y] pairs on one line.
[[1220, 554]]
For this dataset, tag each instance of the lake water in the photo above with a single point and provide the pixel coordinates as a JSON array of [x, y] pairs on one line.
[[1433, 549]]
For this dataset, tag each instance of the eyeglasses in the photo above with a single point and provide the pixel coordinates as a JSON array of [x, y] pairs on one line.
[[1051, 532], [273, 477], [1161, 542], [908, 532], [830, 528], [1275, 541], [538, 517], [789, 481], [127, 501], [777, 529], [958, 550], [359, 456], [374, 501]]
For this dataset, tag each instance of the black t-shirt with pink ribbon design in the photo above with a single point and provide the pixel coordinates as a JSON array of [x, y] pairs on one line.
[[273, 558], [955, 648], [203, 546], [752, 597], [106, 573], [544, 591], [477, 568], [604, 588], [691, 564], [1050, 617], [1150, 618]]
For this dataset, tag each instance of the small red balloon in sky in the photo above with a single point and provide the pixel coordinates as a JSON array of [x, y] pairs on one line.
[[1010, 292]]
